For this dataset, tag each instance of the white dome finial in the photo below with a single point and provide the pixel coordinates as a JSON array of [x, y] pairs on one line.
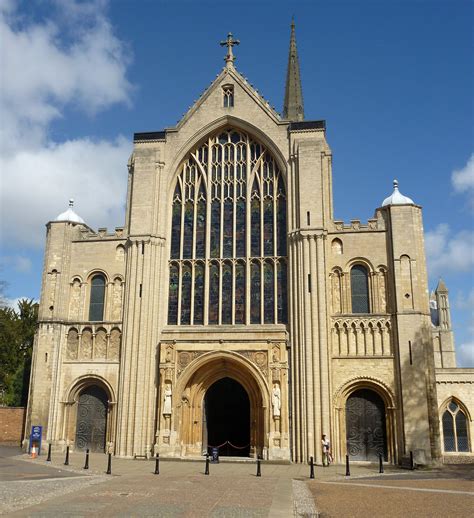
[[397, 197], [70, 215]]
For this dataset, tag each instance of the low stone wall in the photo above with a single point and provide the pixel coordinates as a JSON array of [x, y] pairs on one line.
[[458, 459], [12, 420]]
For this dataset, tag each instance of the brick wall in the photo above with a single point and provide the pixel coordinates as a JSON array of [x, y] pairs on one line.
[[11, 424]]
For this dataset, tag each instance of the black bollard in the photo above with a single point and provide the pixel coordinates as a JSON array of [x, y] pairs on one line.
[[49, 453], [259, 469], [86, 465], [311, 467], [207, 464], [157, 464], [381, 463], [412, 462], [109, 465], [348, 471], [66, 462]]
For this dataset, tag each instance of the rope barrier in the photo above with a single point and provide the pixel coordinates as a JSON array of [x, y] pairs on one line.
[[230, 444]]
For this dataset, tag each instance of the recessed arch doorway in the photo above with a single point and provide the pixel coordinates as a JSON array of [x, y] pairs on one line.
[[227, 418], [91, 425]]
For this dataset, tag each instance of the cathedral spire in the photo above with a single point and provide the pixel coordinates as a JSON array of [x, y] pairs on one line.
[[293, 106]]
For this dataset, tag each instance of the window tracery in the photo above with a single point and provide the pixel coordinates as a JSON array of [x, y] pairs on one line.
[[455, 429], [228, 236]]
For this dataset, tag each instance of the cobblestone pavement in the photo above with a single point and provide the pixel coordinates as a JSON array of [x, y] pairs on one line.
[[36, 488]]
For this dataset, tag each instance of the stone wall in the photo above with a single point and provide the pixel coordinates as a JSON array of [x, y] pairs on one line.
[[11, 424]]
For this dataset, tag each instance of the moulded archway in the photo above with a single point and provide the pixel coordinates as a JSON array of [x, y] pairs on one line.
[[387, 410], [191, 390], [89, 413]]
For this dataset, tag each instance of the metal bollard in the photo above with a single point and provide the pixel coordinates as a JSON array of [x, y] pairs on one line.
[[66, 462], [381, 463], [157, 464], [412, 462], [49, 453], [348, 471], [311, 467], [109, 465], [207, 464], [86, 465], [259, 469]]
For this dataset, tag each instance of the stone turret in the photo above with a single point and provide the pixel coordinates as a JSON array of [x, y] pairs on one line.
[[443, 338]]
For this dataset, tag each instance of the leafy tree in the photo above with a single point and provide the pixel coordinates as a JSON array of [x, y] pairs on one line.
[[17, 329]]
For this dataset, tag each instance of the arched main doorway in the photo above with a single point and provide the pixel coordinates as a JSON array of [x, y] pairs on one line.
[[91, 424], [365, 426], [227, 418]]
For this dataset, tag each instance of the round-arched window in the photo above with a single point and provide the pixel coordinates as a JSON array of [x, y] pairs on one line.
[[228, 235], [360, 289], [96, 304]]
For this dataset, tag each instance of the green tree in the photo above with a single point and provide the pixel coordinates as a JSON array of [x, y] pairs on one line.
[[17, 329]]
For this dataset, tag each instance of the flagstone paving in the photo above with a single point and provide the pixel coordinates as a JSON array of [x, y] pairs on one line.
[[232, 490]]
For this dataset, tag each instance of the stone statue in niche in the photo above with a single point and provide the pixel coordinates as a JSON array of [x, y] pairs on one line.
[[75, 302], [167, 394], [276, 354], [276, 400], [117, 299]]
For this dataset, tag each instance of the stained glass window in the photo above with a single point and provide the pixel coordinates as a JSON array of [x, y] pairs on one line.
[[360, 289], [186, 295], [240, 293], [227, 293], [96, 305], [255, 295], [281, 285], [221, 232], [269, 297], [214, 293], [198, 294], [173, 294]]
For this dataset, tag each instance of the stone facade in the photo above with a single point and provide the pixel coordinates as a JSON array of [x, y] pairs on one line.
[[302, 374]]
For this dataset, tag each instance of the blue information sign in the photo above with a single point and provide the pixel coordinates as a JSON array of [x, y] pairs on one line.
[[35, 438]]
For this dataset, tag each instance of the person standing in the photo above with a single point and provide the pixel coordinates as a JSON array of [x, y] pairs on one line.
[[326, 450]]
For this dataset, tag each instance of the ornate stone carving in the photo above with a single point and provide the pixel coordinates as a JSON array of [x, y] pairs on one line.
[[117, 299], [75, 303], [362, 336], [167, 394], [100, 346], [113, 352], [72, 345], [276, 400], [86, 345]]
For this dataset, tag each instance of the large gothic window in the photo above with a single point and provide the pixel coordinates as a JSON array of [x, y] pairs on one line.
[[228, 237], [455, 431]]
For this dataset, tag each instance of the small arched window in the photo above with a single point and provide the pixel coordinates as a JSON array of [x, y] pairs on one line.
[[455, 429], [360, 289], [96, 305]]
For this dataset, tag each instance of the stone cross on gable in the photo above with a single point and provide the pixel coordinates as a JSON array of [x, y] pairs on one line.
[[229, 43]]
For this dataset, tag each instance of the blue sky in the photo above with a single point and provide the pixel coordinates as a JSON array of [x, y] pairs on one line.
[[393, 80]]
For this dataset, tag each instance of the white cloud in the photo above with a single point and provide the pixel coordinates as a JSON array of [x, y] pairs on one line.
[[446, 251], [72, 60], [463, 179], [465, 354], [38, 184]]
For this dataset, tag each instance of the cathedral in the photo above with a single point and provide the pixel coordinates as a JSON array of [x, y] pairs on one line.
[[234, 311]]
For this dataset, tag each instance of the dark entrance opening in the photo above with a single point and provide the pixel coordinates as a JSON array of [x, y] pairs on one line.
[[365, 426], [91, 419], [227, 416]]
